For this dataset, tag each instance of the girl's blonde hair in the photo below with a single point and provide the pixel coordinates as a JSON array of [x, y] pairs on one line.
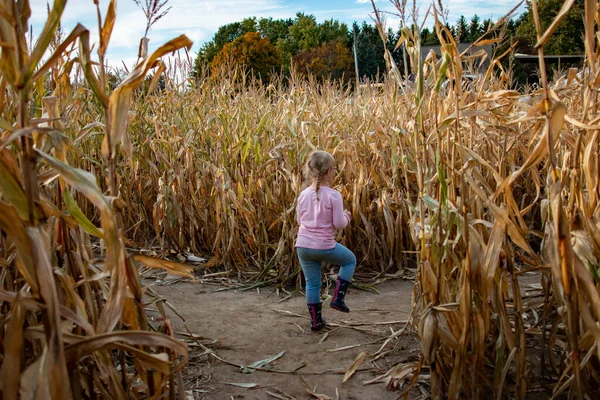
[[317, 166]]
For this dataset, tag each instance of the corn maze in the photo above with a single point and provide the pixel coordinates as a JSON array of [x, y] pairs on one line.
[[464, 189]]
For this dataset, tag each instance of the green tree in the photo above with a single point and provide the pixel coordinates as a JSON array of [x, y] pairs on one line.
[[429, 38], [369, 50], [475, 29], [251, 51], [305, 34], [487, 24], [333, 30], [568, 37], [274, 29], [462, 29]]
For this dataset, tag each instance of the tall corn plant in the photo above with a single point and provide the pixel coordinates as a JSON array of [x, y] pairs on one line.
[[469, 222], [223, 177], [66, 327]]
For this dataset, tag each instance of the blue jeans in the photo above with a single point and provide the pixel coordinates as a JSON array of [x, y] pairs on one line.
[[310, 260]]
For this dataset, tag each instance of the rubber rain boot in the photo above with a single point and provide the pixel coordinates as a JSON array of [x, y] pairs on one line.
[[337, 303], [316, 320]]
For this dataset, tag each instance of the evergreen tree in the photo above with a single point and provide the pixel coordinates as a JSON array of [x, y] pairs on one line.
[[462, 29], [475, 29], [369, 50], [429, 38]]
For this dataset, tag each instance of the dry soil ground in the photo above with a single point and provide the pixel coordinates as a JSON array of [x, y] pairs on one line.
[[253, 325]]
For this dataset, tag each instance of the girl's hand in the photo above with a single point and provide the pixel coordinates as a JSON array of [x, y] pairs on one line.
[[348, 214]]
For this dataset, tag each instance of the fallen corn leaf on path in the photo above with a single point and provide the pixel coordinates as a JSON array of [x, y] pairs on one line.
[[246, 326]]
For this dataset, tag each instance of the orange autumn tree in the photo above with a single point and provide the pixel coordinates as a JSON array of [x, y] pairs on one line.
[[330, 60], [254, 53]]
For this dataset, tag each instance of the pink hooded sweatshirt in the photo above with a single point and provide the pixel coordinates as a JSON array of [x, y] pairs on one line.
[[319, 219]]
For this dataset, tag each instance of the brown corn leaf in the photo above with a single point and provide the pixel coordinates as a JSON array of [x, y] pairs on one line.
[[564, 10], [81, 180], [85, 59], [10, 47], [34, 381], [11, 188], [109, 23], [398, 375], [553, 127], [115, 263], [586, 282], [118, 105], [590, 169], [59, 51], [513, 230], [43, 41], [112, 340], [360, 358], [492, 253], [12, 224], [58, 377], [30, 304], [591, 9], [563, 236], [484, 42], [312, 393], [10, 374], [172, 267], [159, 362]]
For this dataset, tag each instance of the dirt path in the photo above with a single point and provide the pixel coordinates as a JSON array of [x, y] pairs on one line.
[[249, 328]]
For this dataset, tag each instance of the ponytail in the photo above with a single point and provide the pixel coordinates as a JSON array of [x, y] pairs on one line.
[[318, 186]]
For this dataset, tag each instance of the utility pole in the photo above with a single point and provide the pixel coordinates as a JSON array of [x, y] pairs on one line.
[[356, 64]]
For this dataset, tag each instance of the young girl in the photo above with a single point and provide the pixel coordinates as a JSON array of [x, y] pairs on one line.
[[320, 212]]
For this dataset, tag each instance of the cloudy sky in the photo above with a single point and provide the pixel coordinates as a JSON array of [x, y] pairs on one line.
[[200, 19]]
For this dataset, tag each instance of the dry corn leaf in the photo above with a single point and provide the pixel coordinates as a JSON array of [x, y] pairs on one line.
[[12, 224], [398, 375], [590, 169], [34, 381], [10, 372], [172, 267], [312, 392], [58, 53], [107, 28], [261, 363], [43, 40], [86, 62], [112, 340], [83, 181], [58, 376], [564, 10], [360, 358], [120, 98], [10, 185]]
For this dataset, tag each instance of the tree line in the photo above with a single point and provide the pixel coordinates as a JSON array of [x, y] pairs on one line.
[[326, 50]]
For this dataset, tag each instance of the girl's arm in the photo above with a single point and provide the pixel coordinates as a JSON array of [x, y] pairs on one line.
[[340, 218]]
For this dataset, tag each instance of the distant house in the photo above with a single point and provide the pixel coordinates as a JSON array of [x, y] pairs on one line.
[[471, 59]]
